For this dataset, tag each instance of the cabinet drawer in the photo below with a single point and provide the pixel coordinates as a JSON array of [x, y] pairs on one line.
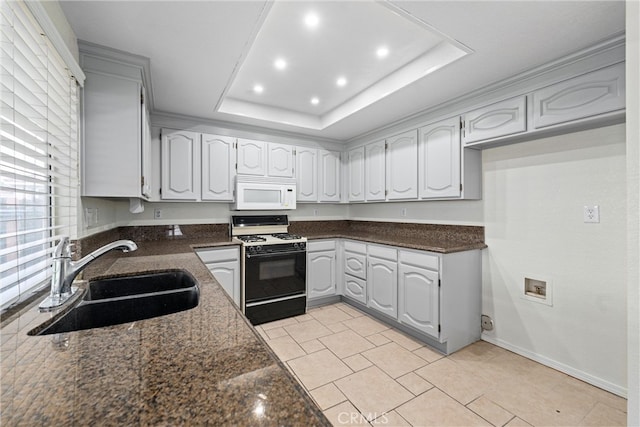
[[383, 252], [417, 259], [219, 255], [321, 245], [355, 289], [355, 264], [357, 247]]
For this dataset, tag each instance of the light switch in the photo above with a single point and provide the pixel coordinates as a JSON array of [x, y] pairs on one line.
[[591, 213]]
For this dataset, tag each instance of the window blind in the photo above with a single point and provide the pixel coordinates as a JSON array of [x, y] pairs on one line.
[[38, 153]]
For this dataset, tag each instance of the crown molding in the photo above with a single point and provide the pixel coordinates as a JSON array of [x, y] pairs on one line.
[[122, 57]]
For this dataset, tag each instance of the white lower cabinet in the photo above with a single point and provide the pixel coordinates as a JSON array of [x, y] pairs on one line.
[[419, 292], [355, 271], [435, 297], [382, 280], [224, 264], [321, 269]]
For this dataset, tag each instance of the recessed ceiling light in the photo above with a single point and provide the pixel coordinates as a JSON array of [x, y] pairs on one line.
[[341, 81], [315, 101], [311, 20], [280, 64], [258, 89], [382, 51]]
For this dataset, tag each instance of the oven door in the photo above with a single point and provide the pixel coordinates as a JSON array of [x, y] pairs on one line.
[[274, 275]]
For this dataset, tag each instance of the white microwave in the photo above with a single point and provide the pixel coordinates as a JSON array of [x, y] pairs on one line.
[[265, 194]]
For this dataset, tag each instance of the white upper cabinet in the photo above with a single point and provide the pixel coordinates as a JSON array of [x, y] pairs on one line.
[[146, 152], [402, 166], [306, 174], [260, 158], [500, 119], [116, 150], [328, 176], [218, 160], [280, 160], [356, 174], [252, 157], [374, 170], [591, 94], [439, 159], [180, 165]]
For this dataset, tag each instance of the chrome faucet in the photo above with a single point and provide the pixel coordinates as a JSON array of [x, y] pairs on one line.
[[65, 270]]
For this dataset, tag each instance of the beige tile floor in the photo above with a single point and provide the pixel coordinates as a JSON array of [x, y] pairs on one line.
[[362, 372]]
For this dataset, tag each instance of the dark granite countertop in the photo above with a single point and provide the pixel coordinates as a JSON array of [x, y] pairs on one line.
[[426, 237], [204, 366]]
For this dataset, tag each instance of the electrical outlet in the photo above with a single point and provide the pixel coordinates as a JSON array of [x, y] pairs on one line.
[[591, 213], [315, 212], [157, 213], [486, 323], [404, 212]]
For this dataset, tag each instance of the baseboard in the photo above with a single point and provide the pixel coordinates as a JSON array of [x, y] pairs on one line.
[[583, 376]]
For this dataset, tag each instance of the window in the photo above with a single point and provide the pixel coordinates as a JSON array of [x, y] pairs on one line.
[[38, 153]]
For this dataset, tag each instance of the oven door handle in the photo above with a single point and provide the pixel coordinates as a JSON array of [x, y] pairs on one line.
[[272, 254]]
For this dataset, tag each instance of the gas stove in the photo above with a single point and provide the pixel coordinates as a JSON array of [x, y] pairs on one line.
[[273, 267], [270, 239], [262, 230]]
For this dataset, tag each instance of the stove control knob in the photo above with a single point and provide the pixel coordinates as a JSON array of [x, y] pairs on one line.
[[257, 248], [301, 246]]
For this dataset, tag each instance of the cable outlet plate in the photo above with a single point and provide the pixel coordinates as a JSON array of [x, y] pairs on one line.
[[486, 323]]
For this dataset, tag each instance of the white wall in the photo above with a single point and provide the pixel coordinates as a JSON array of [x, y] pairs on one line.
[[460, 212], [534, 194], [215, 213], [633, 208], [105, 215]]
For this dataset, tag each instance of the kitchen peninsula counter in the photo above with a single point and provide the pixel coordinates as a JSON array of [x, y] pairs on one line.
[[204, 366]]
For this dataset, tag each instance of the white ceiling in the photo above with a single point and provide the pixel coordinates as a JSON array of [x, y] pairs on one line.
[[196, 49]]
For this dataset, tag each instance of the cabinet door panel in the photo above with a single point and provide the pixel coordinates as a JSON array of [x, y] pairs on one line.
[[594, 93], [402, 166], [280, 160], [419, 299], [218, 167], [356, 175], [374, 171], [321, 274], [500, 119], [439, 158], [329, 176], [252, 157], [382, 286], [228, 275], [355, 288], [180, 165], [306, 172]]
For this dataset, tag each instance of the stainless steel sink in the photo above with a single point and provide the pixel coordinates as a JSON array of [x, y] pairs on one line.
[[127, 299]]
